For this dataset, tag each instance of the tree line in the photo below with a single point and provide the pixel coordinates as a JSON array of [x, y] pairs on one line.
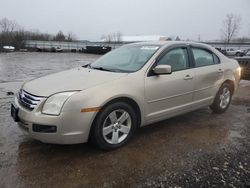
[[112, 37], [12, 34]]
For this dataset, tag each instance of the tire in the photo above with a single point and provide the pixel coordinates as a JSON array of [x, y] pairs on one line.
[[238, 54], [114, 126], [222, 99]]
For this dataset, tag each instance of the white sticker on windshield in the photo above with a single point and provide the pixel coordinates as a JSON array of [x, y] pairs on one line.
[[149, 47]]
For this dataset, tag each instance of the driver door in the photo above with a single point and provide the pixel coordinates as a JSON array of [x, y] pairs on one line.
[[170, 94]]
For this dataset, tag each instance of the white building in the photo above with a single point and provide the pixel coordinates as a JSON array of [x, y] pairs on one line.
[[139, 38], [143, 38]]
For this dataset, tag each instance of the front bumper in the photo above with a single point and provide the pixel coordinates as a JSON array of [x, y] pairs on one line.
[[68, 128]]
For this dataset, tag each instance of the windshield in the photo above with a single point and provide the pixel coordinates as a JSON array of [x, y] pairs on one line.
[[125, 59]]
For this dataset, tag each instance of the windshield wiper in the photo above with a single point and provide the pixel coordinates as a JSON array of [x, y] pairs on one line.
[[109, 70], [100, 68], [87, 65]]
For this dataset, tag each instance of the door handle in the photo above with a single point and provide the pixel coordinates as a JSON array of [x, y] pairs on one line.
[[188, 77], [220, 71]]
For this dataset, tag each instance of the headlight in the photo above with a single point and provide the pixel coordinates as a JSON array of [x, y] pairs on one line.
[[54, 103]]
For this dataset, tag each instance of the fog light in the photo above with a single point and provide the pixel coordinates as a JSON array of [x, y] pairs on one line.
[[44, 128]]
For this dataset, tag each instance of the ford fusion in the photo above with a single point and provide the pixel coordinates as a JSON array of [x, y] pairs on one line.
[[133, 86]]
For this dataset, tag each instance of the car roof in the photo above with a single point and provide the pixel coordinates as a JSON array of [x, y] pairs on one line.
[[165, 44], [169, 43]]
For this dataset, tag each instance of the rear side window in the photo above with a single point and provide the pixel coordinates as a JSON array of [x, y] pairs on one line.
[[216, 59], [203, 57]]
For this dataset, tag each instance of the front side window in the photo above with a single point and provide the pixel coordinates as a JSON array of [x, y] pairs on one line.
[[177, 58], [202, 57]]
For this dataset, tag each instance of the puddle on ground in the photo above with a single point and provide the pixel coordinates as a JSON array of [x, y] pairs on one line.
[[235, 134]]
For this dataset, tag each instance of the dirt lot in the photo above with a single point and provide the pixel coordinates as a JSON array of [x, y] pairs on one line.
[[199, 149]]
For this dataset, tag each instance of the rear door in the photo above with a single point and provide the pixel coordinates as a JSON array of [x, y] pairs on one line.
[[208, 75]]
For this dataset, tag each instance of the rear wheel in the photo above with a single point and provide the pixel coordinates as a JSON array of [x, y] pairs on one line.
[[114, 126], [222, 99]]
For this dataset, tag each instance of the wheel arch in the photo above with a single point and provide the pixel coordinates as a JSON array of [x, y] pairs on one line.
[[127, 100], [231, 83]]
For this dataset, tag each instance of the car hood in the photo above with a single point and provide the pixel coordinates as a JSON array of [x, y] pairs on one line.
[[70, 80]]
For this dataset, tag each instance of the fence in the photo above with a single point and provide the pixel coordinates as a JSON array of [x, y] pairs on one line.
[[244, 62], [76, 45]]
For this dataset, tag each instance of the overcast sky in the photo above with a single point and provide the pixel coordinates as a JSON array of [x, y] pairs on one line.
[[90, 19]]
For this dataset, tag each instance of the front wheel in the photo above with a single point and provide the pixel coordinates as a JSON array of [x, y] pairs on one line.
[[114, 126], [222, 99]]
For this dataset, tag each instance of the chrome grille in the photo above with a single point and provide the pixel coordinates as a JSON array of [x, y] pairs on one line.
[[28, 100]]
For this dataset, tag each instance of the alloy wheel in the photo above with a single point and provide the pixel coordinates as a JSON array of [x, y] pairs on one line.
[[116, 126], [225, 97]]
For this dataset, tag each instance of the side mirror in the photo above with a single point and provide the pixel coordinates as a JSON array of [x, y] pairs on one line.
[[162, 69]]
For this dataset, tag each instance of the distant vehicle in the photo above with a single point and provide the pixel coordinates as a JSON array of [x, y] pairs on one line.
[[8, 48], [244, 63], [133, 86], [97, 49], [57, 49], [221, 50], [247, 53], [41, 49], [233, 52]]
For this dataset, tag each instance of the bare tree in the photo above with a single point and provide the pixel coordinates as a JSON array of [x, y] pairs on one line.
[[231, 26], [114, 37], [59, 36], [14, 35], [9, 33], [71, 37], [103, 38], [109, 38], [118, 37], [8, 26]]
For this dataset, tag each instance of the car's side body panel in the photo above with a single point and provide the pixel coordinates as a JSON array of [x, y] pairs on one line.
[[167, 94], [207, 81]]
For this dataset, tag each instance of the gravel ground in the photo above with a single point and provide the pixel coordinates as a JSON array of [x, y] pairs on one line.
[[198, 149]]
